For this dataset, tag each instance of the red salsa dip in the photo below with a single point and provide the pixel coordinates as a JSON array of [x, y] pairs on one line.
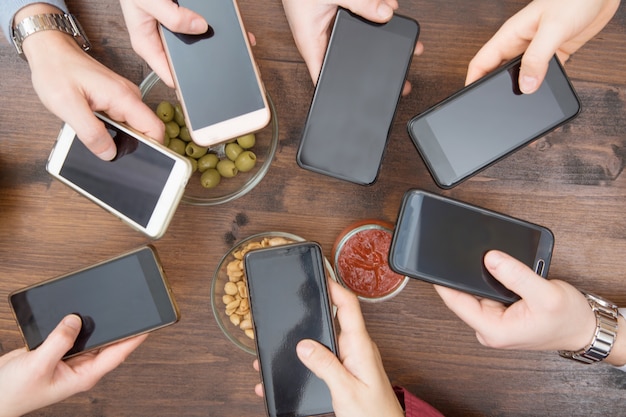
[[361, 261]]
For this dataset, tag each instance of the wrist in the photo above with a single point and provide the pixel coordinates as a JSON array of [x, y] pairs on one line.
[[34, 9]]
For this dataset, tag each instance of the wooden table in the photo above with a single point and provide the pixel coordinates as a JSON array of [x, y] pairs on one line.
[[570, 181]]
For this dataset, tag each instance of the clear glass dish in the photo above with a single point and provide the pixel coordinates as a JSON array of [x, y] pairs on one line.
[[153, 91]]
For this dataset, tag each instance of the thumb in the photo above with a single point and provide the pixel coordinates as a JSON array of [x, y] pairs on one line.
[[536, 58], [517, 277], [59, 341], [180, 19], [375, 10], [323, 363]]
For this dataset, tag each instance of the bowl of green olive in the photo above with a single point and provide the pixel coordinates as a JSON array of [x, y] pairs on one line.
[[223, 172]]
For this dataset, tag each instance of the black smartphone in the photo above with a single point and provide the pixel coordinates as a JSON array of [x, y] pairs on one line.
[[488, 120], [356, 95], [289, 301], [217, 80], [142, 185], [443, 241], [116, 299]]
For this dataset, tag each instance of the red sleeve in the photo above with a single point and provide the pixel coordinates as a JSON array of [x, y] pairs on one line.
[[413, 406]]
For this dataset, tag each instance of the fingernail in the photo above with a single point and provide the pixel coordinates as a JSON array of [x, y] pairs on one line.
[[384, 11], [199, 25], [108, 154], [73, 321], [493, 257], [305, 348], [528, 84]]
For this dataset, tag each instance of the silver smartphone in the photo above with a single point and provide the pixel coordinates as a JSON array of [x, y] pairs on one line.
[[142, 185], [116, 299], [216, 77]]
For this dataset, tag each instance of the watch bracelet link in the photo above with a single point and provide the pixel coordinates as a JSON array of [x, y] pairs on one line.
[[604, 336], [62, 22]]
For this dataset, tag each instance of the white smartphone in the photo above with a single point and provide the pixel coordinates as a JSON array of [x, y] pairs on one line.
[[216, 78], [142, 185]]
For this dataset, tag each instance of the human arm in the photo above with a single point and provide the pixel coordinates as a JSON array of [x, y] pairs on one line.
[[33, 379], [551, 314], [357, 380], [72, 85], [539, 30], [310, 22], [142, 18]]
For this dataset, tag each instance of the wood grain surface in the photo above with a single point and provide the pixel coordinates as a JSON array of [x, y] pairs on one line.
[[570, 181]]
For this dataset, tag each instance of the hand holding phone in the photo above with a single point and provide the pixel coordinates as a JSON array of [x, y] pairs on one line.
[[115, 299], [356, 95], [217, 80], [289, 301], [488, 120], [443, 241], [142, 185]]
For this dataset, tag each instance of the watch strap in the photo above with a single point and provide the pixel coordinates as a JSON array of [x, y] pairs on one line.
[[604, 336], [62, 22]]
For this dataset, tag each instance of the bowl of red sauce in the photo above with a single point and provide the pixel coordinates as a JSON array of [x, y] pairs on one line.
[[360, 256]]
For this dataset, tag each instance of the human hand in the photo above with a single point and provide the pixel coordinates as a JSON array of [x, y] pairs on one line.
[[35, 379], [142, 18], [310, 22], [539, 30], [357, 380], [551, 315], [73, 85]]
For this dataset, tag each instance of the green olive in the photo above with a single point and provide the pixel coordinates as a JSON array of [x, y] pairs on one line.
[[184, 134], [165, 111], [172, 129], [166, 140], [245, 161], [177, 146], [194, 164], [227, 168], [179, 116], [246, 141], [210, 178], [232, 150], [194, 150], [209, 160]]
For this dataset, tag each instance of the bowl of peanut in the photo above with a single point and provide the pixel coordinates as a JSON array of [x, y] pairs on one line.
[[229, 292]]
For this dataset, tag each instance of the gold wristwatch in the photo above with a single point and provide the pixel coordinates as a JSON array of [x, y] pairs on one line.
[[65, 23], [604, 337]]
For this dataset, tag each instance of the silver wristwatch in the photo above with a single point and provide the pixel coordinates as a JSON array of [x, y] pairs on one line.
[[604, 337], [65, 23]]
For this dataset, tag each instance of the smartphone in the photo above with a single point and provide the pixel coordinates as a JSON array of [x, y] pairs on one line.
[[356, 95], [217, 80], [443, 241], [289, 301], [490, 119], [116, 299], [142, 185]]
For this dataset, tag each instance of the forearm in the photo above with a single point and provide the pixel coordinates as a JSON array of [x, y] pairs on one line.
[[9, 10]]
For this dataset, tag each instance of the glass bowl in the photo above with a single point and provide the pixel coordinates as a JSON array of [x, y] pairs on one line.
[[360, 257], [232, 331], [153, 91]]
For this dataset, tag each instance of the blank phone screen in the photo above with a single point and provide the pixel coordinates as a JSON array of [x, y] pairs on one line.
[[132, 183], [215, 73], [356, 97], [289, 302], [115, 300], [489, 120], [445, 241]]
